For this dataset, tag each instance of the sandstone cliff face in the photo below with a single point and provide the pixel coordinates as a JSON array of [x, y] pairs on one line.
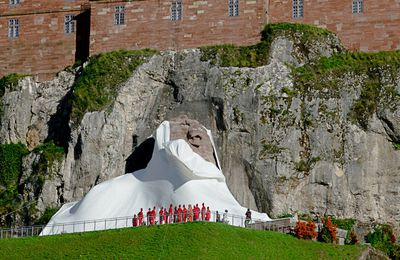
[[282, 150]]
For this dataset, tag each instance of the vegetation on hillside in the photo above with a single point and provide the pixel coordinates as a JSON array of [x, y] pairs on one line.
[[10, 81], [181, 241], [377, 72], [10, 171], [228, 55], [101, 78], [11, 188], [382, 237]]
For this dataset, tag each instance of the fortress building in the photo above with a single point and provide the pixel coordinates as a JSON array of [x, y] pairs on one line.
[[41, 37]]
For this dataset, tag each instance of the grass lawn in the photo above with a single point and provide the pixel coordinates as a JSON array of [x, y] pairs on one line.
[[180, 241]]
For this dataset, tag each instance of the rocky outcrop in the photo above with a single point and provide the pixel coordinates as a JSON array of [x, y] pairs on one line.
[[33, 111], [282, 149]]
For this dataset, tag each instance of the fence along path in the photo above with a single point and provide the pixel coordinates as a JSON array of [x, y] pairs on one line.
[[280, 225]]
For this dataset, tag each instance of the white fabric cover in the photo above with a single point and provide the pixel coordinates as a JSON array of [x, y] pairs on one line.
[[175, 174]]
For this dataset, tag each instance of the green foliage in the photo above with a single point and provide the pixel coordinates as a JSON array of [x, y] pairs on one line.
[[182, 241], [10, 81], [288, 92], [308, 32], [382, 238], [11, 163], [10, 172], [47, 214], [229, 55], [270, 149], [325, 74], [346, 224], [396, 146], [98, 85], [285, 215], [306, 165], [41, 169], [50, 152]]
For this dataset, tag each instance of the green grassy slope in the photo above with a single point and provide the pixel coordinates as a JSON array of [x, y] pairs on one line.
[[184, 241]]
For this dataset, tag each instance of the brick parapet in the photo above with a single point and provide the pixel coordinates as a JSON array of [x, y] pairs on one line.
[[376, 29], [27, 7], [148, 25]]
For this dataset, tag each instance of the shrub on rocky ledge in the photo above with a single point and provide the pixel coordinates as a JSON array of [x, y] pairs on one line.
[[305, 230]]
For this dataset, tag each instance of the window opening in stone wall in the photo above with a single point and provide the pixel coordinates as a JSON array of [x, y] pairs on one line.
[[233, 9], [119, 15], [176, 10], [69, 24], [14, 2], [358, 6], [13, 28], [298, 10]]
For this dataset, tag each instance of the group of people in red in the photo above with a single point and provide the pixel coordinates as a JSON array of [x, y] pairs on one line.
[[177, 214]]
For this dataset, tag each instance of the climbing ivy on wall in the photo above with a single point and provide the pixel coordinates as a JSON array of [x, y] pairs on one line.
[[10, 171], [11, 163]]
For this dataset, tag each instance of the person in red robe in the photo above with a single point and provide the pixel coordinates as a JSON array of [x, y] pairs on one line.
[[160, 215], [148, 215], [140, 217], [165, 216], [190, 213], [134, 221], [179, 214], [171, 214], [176, 214], [208, 214], [203, 212], [196, 211], [153, 216], [184, 211]]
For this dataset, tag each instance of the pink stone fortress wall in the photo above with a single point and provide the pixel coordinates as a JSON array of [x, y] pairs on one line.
[[148, 25], [377, 28], [42, 48]]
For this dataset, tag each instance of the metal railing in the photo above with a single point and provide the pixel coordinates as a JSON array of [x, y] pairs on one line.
[[126, 222], [21, 232]]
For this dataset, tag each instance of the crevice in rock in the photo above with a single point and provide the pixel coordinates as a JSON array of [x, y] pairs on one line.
[[178, 97], [59, 129], [60, 193], [218, 104], [258, 188], [78, 148]]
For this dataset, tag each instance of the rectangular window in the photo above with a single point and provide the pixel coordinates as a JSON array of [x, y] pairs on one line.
[[358, 6], [298, 10], [176, 10], [119, 15], [69, 24], [14, 2], [13, 28], [233, 7]]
